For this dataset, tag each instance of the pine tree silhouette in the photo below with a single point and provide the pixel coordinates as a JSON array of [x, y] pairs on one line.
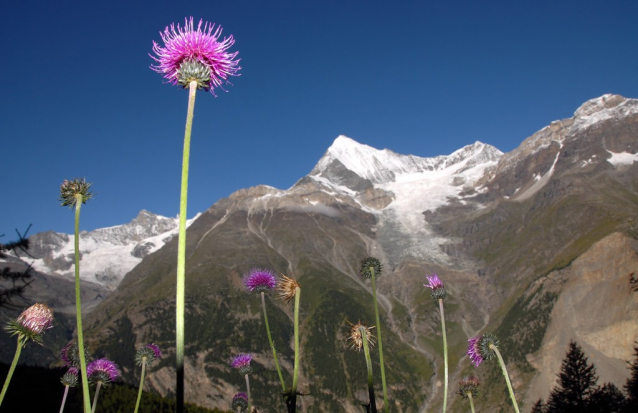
[[539, 407], [576, 383], [631, 387], [18, 280], [607, 398]]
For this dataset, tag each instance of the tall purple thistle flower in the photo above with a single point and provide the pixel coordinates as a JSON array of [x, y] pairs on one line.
[[148, 355], [190, 54], [241, 362], [260, 280], [436, 285], [102, 370]]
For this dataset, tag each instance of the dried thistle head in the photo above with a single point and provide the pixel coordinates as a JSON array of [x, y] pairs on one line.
[[357, 332], [287, 288]]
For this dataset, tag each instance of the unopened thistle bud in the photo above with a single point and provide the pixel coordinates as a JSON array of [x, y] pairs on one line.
[[32, 323], [469, 386], [70, 378], [70, 189], [371, 266], [240, 401]]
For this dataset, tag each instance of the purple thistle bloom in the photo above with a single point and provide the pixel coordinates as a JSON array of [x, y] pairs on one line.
[[474, 352], [480, 348], [70, 378], [156, 350], [102, 370], [185, 45], [241, 362], [437, 287], [260, 280]]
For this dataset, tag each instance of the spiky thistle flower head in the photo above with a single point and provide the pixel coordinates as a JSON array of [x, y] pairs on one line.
[[469, 385], [102, 370], [241, 362], [148, 354], [287, 288], [70, 354], [31, 324], [357, 332], [70, 189], [438, 289], [240, 401], [371, 266], [260, 280], [70, 378], [479, 348], [199, 55]]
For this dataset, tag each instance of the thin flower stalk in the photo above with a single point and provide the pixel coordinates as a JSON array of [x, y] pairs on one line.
[[143, 357], [14, 363], [506, 376], [102, 372], [371, 268], [78, 309], [362, 338], [295, 374], [30, 325], [485, 347], [69, 379], [73, 194], [241, 362], [438, 292], [263, 280], [181, 252], [289, 289], [468, 388], [194, 59], [272, 344]]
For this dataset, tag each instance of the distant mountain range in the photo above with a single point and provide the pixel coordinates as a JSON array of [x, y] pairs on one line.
[[536, 245]]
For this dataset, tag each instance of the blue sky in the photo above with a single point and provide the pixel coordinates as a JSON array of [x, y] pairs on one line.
[[418, 77]]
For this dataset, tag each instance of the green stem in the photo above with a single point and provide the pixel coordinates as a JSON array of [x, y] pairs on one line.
[[66, 392], [507, 378], [97, 392], [250, 403], [21, 342], [78, 308], [272, 345], [469, 396], [181, 255], [366, 352], [386, 406], [139, 393], [444, 355], [292, 401]]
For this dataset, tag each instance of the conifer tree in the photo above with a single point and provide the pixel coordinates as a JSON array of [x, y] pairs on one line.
[[17, 281], [631, 387], [607, 398], [539, 407], [576, 383]]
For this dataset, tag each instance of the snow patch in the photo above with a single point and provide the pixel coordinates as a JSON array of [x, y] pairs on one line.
[[623, 158]]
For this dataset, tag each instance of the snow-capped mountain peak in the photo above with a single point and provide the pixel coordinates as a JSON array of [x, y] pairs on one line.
[[346, 157], [107, 254]]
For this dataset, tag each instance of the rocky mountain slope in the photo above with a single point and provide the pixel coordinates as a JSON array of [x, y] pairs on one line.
[[534, 244]]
